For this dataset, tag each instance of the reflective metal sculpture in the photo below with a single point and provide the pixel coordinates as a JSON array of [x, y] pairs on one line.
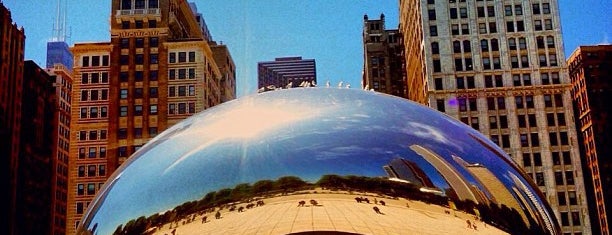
[[306, 160]]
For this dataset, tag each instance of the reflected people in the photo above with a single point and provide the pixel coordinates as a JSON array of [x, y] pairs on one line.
[[311, 160]]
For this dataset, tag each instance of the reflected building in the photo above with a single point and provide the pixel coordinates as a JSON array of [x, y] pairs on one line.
[[498, 192], [157, 69], [499, 68], [462, 189], [403, 169]]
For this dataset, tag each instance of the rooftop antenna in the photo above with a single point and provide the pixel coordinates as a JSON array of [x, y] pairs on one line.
[[59, 26]]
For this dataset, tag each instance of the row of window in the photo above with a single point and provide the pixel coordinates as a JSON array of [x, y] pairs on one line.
[[138, 4], [91, 189], [94, 94], [93, 152], [181, 91], [499, 103], [139, 59], [181, 73], [137, 132], [139, 24], [94, 78], [95, 61], [92, 170], [138, 93], [558, 158], [138, 76], [139, 42], [137, 110], [181, 108], [509, 10], [91, 135], [94, 112], [511, 26], [494, 62], [182, 57], [491, 81], [487, 45]]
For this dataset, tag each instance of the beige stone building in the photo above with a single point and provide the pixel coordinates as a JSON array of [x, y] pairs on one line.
[[499, 67], [157, 70]]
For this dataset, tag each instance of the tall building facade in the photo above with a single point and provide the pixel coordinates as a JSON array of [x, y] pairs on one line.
[[34, 193], [590, 70], [383, 61], [12, 44], [497, 66], [157, 70], [61, 77], [224, 60], [285, 72]]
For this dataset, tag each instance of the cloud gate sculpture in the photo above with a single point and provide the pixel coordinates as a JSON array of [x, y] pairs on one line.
[[319, 161]]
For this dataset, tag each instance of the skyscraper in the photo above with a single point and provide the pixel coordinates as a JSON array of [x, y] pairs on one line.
[[383, 61], [590, 69], [157, 70], [12, 43], [285, 72], [497, 66]]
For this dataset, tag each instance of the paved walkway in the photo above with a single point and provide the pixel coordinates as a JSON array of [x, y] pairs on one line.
[[335, 212]]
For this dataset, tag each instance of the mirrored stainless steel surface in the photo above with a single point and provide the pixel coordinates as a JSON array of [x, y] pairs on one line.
[[297, 161]]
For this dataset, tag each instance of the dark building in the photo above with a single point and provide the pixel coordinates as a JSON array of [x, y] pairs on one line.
[[33, 193], [12, 40], [286, 72], [590, 69], [383, 61]]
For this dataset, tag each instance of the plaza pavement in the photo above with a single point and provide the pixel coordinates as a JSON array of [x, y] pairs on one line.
[[336, 211]]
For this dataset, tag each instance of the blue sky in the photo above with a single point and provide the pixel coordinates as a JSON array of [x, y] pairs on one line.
[[327, 31]]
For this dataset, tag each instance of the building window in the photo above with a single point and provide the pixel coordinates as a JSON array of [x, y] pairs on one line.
[[154, 41], [508, 10], [153, 109], [153, 75], [490, 11], [85, 61], [518, 10], [153, 92], [435, 48], [463, 12], [79, 207], [91, 189], [125, 25], [122, 133], [192, 56], [123, 93], [152, 131], [124, 60], [139, 42], [191, 107], [182, 57], [153, 24], [510, 26], [440, 104], [137, 110], [138, 93], [91, 170], [436, 65], [126, 4], [433, 31], [102, 136], [137, 132], [453, 13], [172, 57], [81, 189], [81, 153], [81, 171], [122, 151], [153, 59], [438, 84], [102, 170], [546, 8], [182, 108], [432, 14], [535, 8], [153, 3], [123, 111]]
